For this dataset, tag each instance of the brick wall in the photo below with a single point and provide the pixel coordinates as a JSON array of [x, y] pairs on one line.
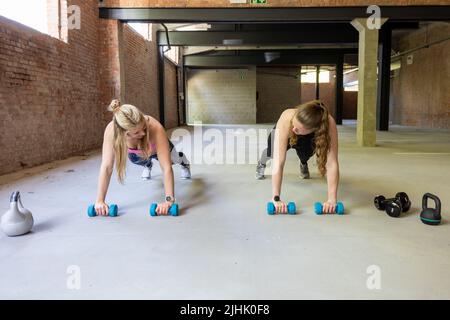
[[140, 58], [278, 92], [222, 96], [54, 94], [109, 77], [420, 94], [49, 101], [270, 3], [140, 70], [278, 89], [327, 93], [210, 93], [350, 108], [171, 95]]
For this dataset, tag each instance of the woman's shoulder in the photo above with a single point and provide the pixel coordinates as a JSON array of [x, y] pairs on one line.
[[150, 120], [286, 117], [153, 123], [109, 127], [331, 120], [288, 113]]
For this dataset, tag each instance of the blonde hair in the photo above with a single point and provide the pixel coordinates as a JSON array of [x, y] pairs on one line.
[[314, 116], [127, 117]]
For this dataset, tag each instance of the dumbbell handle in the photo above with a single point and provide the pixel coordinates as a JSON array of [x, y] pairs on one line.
[[290, 208], [173, 209], [384, 202], [339, 208], [390, 200]]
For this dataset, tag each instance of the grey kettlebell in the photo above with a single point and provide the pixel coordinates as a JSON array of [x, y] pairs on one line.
[[17, 220]]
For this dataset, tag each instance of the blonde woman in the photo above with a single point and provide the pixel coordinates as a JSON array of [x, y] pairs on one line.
[[309, 129], [141, 138]]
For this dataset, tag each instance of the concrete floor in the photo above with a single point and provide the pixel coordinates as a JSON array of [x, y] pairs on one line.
[[224, 245]]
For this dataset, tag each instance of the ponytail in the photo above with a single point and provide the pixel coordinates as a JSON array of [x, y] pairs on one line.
[[322, 141]]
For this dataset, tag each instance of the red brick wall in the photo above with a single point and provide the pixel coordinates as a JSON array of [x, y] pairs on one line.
[[140, 69], [109, 80], [171, 95], [54, 94], [420, 94], [141, 72], [270, 3], [350, 108], [49, 101]]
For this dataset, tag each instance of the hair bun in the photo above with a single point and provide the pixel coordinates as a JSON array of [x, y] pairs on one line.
[[114, 106]]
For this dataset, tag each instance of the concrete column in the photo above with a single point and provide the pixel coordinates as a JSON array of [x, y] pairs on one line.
[[367, 82]]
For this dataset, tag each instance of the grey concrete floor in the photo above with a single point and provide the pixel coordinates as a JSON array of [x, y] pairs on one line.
[[224, 245]]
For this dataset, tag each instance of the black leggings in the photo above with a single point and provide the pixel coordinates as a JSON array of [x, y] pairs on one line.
[[304, 147]]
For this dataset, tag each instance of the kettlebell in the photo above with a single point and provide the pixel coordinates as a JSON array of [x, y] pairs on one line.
[[431, 216], [17, 220]]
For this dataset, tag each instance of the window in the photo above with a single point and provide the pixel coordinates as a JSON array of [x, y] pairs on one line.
[[194, 27], [351, 86], [172, 54], [32, 13], [144, 29], [309, 76], [351, 78], [52, 17]]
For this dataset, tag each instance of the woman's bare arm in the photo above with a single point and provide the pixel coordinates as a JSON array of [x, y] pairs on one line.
[[332, 165], [106, 169], [281, 137], [165, 161]]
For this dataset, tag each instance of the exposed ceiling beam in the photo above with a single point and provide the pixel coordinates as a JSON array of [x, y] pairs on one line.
[[320, 34], [245, 58], [272, 15], [191, 50]]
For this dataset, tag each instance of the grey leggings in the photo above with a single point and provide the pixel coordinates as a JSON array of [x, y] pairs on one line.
[[176, 157]]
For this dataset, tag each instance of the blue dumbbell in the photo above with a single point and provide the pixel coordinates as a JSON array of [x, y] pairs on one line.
[[173, 210], [112, 211], [318, 208], [290, 208]]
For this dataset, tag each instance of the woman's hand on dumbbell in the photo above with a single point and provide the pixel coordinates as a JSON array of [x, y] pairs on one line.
[[101, 208], [329, 206], [163, 208], [280, 206]]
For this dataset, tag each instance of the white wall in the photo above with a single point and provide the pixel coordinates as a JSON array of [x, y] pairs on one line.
[[221, 96]]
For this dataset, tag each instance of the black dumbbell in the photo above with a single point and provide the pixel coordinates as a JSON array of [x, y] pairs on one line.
[[393, 206]]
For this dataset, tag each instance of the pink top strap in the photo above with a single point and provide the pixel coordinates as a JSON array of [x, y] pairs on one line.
[[138, 151]]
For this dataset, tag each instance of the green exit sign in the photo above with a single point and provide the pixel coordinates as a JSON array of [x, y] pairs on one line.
[[259, 1]]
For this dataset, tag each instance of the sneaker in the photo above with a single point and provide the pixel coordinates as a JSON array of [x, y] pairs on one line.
[[304, 171], [260, 171], [185, 171], [147, 173]]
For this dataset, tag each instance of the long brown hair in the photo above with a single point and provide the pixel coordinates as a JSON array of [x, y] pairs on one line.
[[314, 116], [127, 117]]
